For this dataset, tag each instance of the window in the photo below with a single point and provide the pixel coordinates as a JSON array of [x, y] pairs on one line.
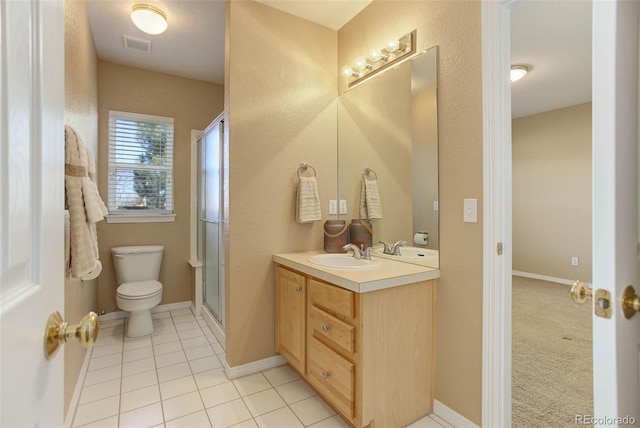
[[140, 167]]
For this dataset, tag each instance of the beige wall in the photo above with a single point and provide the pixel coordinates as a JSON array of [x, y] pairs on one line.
[[193, 105], [552, 193], [455, 26], [281, 85], [81, 113]]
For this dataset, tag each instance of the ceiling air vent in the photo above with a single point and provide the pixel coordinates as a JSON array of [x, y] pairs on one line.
[[136, 44]]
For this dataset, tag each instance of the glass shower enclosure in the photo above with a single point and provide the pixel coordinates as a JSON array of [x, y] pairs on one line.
[[210, 243]]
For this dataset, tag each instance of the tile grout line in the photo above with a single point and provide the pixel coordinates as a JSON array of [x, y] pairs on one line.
[[153, 351], [192, 375], [121, 370]]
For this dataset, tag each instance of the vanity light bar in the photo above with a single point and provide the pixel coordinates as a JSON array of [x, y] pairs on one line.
[[394, 51]]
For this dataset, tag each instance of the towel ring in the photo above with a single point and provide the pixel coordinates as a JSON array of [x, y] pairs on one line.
[[368, 171], [304, 167]]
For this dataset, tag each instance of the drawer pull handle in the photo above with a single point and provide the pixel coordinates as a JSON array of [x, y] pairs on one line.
[[298, 289], [325, 375], [325, 328]]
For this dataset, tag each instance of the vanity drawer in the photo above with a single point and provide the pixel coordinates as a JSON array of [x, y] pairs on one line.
[[332, 298], [332, 375], [331, 328]]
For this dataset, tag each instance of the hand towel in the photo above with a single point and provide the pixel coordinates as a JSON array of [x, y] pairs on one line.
[[370, 205], [84, 203], [308, 201]]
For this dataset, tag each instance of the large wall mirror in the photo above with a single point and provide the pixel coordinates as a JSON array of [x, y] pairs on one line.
[[388, 125]]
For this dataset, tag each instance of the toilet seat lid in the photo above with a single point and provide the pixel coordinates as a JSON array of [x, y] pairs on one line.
[[137, 290]]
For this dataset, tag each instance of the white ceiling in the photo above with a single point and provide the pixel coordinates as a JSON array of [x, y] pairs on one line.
[[192, 46], [330, 13], [553, 37]]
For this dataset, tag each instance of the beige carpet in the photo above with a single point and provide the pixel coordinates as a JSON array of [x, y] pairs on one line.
[[552, 356]]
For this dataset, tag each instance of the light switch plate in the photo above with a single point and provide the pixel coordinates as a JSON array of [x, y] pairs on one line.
[[470, 210], [343, 206], [333, 206]]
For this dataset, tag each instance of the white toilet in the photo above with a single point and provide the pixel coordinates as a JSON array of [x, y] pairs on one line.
[[137, 269]]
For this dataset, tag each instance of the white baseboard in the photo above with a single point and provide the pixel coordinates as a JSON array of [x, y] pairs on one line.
[[75, 399], [172, 307], [254, 367], [545, 278], [160, 308], [451, 417]]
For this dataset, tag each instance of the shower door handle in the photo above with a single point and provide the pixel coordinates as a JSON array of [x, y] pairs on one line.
[[211, 221]]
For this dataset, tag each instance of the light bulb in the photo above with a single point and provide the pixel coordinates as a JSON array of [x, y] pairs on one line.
[[361, 63], [392, 45], [348, 71], [375, 56]]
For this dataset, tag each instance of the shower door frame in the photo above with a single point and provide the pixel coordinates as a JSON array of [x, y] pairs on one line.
[[197, 261], [220, 316]]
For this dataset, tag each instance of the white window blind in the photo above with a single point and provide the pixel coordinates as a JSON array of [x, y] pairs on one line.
[[140, 164]]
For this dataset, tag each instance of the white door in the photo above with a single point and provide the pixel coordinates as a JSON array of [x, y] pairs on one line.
[[31, 209], [615, 214]]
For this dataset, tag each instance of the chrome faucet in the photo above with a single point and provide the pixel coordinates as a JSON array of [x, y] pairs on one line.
[[397, 245], [359, 253], [356, 251], [393, 249]]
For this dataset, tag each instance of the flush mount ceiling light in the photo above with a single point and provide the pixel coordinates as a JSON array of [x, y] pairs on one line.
[[518, 72], [378, 60], [149, 18]]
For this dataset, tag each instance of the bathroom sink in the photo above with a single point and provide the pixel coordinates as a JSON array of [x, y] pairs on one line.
[[411, 253], [342, 261]]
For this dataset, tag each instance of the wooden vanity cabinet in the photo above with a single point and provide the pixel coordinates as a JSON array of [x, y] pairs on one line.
[[369, 355], [291, 301]]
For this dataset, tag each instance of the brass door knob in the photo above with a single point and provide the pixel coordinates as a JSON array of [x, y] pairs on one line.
[[58, 332], [630, 302], [580, 292]]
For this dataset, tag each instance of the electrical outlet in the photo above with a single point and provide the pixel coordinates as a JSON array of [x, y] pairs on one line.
[[435, 205], [333, 206], [574, 261], [343, 206]]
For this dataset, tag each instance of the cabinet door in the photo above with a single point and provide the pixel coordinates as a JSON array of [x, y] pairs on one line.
[[291, 292]]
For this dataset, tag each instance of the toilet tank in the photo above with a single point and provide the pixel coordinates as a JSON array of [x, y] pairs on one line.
[[137, 263]]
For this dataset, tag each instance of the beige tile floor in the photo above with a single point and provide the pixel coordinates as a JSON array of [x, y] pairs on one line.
[[174, 378]]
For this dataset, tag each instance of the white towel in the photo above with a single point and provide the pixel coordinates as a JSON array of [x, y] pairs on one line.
[[84, 203], [308, 201], [370, 205]]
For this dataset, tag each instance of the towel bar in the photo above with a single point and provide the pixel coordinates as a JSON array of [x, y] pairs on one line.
[[368, 171], [304, 167]]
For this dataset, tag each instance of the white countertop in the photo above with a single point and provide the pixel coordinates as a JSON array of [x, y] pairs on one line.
[[388, 274]]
